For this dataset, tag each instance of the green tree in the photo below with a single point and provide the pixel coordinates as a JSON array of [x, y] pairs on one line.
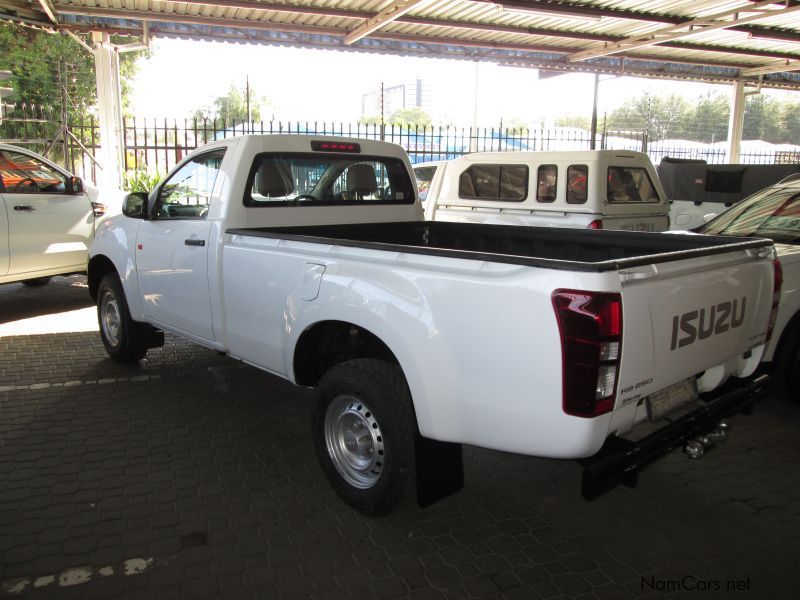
[[791, 122], [410, 117], [762, 119], [710, 118], [573, 121], [370, 120], [42, 63], [232, 106], [659, 117]]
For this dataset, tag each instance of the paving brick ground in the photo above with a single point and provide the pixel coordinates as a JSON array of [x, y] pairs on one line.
[[193, 476]]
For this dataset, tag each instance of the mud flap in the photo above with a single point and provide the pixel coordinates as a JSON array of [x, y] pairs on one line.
[[439, 470]]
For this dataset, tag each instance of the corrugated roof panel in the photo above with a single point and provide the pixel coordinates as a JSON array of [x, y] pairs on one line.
[[547, 31]]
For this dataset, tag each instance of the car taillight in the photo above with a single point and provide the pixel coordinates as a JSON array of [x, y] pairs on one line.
[[596, 224], [590, 324], [777, 282]]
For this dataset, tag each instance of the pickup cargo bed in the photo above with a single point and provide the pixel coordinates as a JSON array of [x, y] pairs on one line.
[[531, 246]]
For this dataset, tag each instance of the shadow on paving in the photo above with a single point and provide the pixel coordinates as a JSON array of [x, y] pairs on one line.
[[203, 470], [62, 294]]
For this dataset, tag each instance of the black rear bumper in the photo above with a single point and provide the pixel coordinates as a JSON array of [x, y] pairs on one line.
[[620, 460]]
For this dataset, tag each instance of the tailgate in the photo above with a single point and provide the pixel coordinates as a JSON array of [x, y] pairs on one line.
[[684, 317]]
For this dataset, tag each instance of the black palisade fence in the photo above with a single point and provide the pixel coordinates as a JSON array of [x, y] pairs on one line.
[[156, 145]]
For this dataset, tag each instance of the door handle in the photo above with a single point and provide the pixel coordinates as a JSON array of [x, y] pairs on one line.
[[194, 242], [23, 207]]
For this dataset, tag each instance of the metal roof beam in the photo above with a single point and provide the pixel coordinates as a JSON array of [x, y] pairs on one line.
[[340, 32], [751, 30], [589, 37], [722, 20], [563, 8], [778, 67], [48, 9], [398, 9]]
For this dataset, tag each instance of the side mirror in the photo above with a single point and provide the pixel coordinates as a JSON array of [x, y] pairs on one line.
[[135, 205], [74, 185]]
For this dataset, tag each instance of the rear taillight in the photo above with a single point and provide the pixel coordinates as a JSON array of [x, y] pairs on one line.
[[596, 224], [777, 282], [590, 324]]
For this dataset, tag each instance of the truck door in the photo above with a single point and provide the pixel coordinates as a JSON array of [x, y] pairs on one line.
[[172, 249], [47, 228]]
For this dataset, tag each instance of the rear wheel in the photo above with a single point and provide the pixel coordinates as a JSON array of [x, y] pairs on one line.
[[363, 428], [787, 371], [38, 281], [125, 339]]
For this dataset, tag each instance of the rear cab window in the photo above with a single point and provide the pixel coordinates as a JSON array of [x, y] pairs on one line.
[[546, 183], [577, 184], [281, 179], [505, 183], [630, 184]]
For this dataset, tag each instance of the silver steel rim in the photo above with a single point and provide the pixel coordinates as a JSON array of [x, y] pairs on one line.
[[109, 318], [354, 441]]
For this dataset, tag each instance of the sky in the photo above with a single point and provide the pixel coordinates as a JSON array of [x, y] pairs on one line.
[[325, 85]]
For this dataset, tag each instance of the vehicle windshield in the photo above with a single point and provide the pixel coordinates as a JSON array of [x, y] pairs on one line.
[[771, 213]]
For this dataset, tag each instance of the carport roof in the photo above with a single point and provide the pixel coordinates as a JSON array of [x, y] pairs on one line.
[[705, 40]]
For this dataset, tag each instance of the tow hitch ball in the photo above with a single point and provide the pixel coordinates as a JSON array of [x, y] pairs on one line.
[[697, 447]]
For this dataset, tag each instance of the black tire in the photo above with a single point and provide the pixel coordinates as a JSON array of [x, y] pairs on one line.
[[125, 339], [787, 368], [38, 281], [372, 395]]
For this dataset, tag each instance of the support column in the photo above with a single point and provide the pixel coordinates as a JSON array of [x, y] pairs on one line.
[[109, 102], [473, 138], [736, 123]]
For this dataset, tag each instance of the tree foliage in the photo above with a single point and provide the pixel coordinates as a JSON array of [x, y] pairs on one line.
[[403, 117], [706, 119], [43, 64], [231, 107], [574, 121]]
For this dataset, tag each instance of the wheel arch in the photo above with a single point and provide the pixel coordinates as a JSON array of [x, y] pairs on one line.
[[791, 329], [99, 267], [326, 344]]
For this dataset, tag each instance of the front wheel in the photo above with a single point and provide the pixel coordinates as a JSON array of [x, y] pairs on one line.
[[363, 428], [125, 339]]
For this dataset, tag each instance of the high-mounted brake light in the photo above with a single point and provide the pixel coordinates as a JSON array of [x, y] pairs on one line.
[[319, 146], [596, 224], [777, 282], [590, 324]]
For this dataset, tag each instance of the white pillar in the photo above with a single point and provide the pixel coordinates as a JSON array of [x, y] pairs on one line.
[[109, 102], [736, 123], [473, 142]]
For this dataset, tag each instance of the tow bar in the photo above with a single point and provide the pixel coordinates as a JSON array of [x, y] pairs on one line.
[[620, 460]]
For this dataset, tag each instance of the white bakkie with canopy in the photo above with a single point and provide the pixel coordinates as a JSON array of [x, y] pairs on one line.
[[594, 189], [309, 258]]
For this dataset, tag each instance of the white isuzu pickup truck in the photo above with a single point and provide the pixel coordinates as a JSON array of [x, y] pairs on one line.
[[309, 258]]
